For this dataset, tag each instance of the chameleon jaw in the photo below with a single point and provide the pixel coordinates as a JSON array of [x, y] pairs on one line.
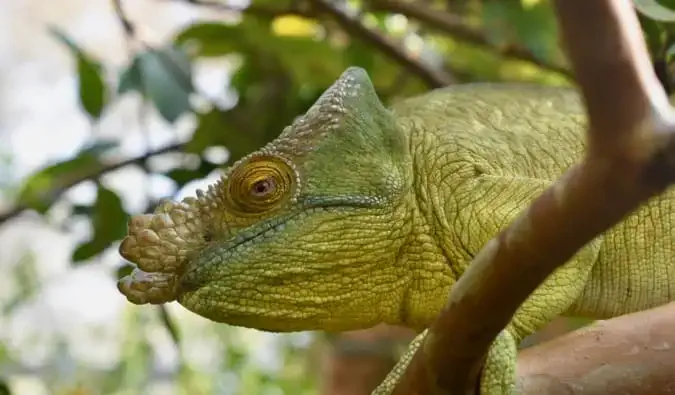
[[159, 245]]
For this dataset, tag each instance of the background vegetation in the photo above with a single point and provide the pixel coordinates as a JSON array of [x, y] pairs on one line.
[[281, 55]]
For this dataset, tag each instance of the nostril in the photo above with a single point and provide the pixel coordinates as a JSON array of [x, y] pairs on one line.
[[207, 236]]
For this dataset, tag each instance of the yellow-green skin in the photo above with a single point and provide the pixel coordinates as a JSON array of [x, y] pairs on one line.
[[376, 212]]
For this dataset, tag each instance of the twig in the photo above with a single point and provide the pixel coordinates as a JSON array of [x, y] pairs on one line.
[[433, 78], [456, 27], [252, 9], [127, 25], [170, 326], [94, 174], [630, 158]]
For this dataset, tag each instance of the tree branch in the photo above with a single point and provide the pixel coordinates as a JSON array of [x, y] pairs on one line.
[[456, 27], [93, 174], [630, 158], [631, 354], [127, 25], [431, 77]]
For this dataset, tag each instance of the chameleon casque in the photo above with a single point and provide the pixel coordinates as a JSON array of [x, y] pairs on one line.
[[358, 214]]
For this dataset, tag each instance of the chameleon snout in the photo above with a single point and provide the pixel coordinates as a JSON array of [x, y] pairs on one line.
[[159, 245]]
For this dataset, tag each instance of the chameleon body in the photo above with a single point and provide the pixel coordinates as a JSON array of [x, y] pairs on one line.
[[358, 214]]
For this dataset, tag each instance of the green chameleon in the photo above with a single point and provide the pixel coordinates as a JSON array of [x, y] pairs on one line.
[[358, 215]]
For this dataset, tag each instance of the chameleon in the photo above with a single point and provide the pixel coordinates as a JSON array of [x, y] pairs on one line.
[[359, 214]]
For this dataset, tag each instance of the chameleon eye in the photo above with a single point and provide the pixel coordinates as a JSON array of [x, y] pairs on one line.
[[260, 184]]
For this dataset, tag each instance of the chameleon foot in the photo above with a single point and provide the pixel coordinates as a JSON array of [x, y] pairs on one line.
[[499, 373]]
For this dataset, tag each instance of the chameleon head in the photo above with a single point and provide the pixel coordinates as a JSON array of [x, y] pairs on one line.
[[302, 234]]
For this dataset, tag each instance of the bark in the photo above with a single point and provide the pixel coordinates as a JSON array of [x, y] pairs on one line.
[[632, 354]]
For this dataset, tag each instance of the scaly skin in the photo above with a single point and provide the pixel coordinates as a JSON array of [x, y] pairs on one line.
[[358, 215]]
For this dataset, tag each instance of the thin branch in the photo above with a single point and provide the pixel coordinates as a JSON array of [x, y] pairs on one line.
[[93, 174], [170, 326], [456, 27], [630, 158], [127, 25], [252, 9], [432, 77]]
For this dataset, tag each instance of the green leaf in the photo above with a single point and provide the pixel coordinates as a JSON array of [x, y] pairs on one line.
[[654, 35], [304, 57], [4, 388], [218, 127], [534, 27], [496, 25], [87, 250], [109, 221], [93, 91], [130, 78], [100, 147], [211, 125], [654, 10], [123, 270], [183, 176], [212, 38], [63, 37], [41, 188], [166, 78]]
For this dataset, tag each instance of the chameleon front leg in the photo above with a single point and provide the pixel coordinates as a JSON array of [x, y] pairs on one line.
[[552, 298], [387, 386], [498, 375]]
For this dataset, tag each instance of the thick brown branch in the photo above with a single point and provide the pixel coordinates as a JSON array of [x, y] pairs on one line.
[[432, 77], [93, 174], [604, 51], [629, 161], [456, 27], [632, 354]]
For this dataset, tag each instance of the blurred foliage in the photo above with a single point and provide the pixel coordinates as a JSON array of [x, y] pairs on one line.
[[282, 55]]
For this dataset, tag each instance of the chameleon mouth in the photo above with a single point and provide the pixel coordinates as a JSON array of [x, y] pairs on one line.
[[168, 248], [196, 276]]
